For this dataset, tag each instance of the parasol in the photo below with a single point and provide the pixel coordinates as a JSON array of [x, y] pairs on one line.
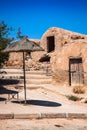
[[23, 45]]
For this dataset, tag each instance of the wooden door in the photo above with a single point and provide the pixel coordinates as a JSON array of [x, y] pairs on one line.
[[76, 75]]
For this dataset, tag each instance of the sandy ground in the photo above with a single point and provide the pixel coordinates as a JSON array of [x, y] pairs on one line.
[[44, 124], [42, 101]]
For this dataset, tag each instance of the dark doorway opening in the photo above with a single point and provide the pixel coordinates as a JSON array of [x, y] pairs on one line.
[[76, 72], [50, 44], [45, 58]]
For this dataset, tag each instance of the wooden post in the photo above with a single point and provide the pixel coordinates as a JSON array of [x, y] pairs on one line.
[[24, 77]]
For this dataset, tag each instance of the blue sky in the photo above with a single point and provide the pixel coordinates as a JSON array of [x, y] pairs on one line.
[[34, 17]]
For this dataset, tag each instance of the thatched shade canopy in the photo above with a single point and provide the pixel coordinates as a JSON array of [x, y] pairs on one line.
[[23, 45]]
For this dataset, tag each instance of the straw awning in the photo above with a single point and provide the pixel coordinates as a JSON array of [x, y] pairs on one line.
[[23, 45]]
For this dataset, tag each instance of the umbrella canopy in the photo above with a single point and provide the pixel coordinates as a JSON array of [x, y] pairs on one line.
[[23, 45]]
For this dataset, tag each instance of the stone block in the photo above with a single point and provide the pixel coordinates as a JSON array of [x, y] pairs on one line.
[[7, 116], [53, 115], [27, 116], [77, 115]]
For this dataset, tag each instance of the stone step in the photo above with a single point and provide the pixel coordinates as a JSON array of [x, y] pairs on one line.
[[31, 69], [11, 70], [33, 86], [34, 81], [27, 72], [28, 81], [13, 76], [28, 76], [17, 70]]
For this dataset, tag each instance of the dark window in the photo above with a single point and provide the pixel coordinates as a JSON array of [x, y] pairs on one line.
[[28, 55], [50, 44]]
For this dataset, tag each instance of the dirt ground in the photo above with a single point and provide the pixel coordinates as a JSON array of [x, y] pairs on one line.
[[44, 124], [41, 101]]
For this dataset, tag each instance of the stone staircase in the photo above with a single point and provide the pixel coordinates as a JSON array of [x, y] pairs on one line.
[[35, 78]]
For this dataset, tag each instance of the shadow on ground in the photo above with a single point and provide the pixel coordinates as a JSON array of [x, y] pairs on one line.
[[2, 99], [8, 81], [4, 90], [40, 103], [6, 86]]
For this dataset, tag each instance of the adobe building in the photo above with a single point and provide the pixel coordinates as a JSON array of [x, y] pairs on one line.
[[68, 56], [68, 52]]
